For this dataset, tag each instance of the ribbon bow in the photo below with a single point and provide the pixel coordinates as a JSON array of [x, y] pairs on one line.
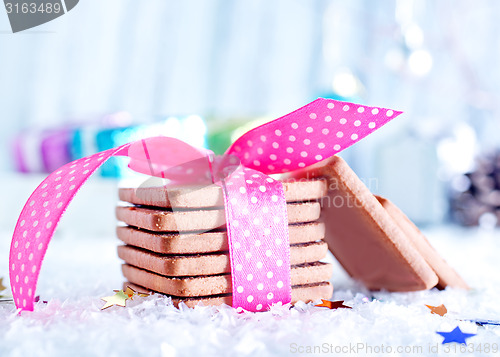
[[258, 241]]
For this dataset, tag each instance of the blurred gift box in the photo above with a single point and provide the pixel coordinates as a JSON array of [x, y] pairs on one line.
[[45, 150]]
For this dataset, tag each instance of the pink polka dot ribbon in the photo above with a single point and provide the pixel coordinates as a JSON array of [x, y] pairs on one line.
[[255, 205], [38, 220], [310, 134], [259, 247]]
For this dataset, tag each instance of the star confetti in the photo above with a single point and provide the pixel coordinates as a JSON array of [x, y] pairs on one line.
[[131, 293], [120, 297], [455, 336], [2, 287], [37, 299], [333, 304], [438, 310]]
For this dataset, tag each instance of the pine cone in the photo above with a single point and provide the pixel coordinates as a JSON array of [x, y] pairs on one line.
[[475, 196]]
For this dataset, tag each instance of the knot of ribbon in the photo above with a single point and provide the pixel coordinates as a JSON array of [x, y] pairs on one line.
[[255, 205]]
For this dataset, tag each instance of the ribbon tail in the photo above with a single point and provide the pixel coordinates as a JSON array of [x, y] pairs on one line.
[[39, 219], [259, 247]]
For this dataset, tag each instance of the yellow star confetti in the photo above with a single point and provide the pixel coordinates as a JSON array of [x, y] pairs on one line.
[[333, 304], [128, 291], [121, 297], [2, 287], [438, 310], [131, 293], [118, 299]]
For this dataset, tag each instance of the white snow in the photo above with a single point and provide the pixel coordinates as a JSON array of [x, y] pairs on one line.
[[78, 270]]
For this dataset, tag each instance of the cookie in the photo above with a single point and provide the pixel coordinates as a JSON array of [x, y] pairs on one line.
[[446, 274], [306, 293], [206, 242], [302, 274], [159, 220], [363, 237], [208, 264], [211, 196]]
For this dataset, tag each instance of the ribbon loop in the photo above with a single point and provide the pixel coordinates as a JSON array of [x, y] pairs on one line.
[[308, 135]]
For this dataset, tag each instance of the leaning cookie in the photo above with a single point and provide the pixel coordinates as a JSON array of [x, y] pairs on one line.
[[364, 237], [446, 274]]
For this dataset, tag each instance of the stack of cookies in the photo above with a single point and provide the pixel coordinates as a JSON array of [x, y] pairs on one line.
[[176, 242]]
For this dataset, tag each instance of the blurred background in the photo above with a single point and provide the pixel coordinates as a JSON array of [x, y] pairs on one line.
[[206, 71]]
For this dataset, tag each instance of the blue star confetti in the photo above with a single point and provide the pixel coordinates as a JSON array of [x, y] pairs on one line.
[[455, 336]]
